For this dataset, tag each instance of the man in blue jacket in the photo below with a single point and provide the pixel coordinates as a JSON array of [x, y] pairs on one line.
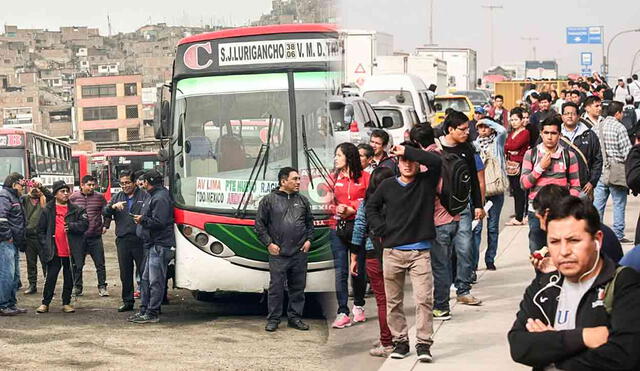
[[155, 228], [11, 240], [129, 245], [284, 225]]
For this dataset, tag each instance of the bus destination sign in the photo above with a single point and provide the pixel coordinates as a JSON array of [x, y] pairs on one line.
[[277, 51], [11, 140]]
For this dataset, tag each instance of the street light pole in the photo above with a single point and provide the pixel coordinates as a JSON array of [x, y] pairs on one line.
[[531, 41], [491, 8], [633, 62], [430, 22], [606, 61]]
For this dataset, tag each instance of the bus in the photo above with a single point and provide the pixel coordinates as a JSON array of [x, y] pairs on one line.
[[106, 166], [34, 155], [244, 103], [80, 165]]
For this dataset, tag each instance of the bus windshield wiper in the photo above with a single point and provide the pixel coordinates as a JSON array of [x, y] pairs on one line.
[[262, 160], [312, 157]]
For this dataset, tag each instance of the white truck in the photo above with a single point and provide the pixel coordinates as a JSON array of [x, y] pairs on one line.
[[430, 69], [462, 65], [361, 50]]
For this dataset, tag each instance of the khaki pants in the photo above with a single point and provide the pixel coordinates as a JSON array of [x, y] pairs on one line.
[[418, 264]]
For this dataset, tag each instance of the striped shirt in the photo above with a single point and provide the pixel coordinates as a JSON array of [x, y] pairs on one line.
[[534, 177]]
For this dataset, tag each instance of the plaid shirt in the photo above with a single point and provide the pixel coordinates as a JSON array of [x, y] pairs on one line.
[[614, 139]]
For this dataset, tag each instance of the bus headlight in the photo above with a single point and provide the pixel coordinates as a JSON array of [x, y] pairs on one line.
[[202, 239], [217, 248]]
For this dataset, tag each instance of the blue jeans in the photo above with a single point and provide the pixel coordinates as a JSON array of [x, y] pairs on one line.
[[537, 237], [463, 243], [154, 278], [341, 265], [441, 264], [493, 229], [619, 195], [9, 274]]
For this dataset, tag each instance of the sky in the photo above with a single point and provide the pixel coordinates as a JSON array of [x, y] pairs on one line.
[[464, 23], [457, 23]]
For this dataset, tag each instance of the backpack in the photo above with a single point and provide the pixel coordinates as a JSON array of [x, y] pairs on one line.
[[456, 182], [609, 291], [494, 177], [630, 121]]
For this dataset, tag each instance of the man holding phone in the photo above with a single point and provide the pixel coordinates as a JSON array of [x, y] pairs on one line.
[[121, 208]]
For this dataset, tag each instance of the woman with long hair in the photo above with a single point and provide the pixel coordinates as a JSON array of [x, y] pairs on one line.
[[350, 184], [373, 252], [515, 147]]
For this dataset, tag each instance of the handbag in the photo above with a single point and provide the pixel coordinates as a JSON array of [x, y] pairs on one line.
[[613, 173], [495, 179], [344, 230], [513, 168]]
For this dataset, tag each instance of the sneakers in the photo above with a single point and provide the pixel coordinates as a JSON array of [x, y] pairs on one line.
[[146, 318], [381, 351], [19, 310], [77, 292], [271, 326], [400, 351], [102, 291], [342, 321], [468, 299], [135, 316], [31, 290], [42, 309], [441, 315], [136, 294], [7, 312], [358, 314], [68, 309], [298, 324], [625, 240], [424, 352]]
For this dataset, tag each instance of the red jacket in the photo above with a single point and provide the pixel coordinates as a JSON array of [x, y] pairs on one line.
[[515, 148], [504, 117], [349, 192]]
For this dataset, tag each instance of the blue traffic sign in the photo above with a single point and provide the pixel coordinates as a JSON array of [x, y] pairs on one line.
[[586, 58], [584, 35], [585, 71]]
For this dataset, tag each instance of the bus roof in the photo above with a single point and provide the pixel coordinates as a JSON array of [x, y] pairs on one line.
[[5, 131], [261, 30]]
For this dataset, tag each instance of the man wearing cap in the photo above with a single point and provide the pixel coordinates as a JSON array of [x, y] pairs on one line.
[[11, 240], [155, 228], [478, 115], [33, 203], [61, 230]]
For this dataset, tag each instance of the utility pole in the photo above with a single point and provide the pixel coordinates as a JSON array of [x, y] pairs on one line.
[[430, 22], [533, 45], [491, 8], [109, 24]]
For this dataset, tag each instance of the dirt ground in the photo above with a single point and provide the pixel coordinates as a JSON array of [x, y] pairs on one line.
[[227, 334]]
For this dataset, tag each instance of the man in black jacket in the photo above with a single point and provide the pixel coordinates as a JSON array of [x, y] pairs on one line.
[[406, 227], [61, 228], [11, 241], [127, 202], [586, 146], [569, 318], [155, 228], [284, 224]]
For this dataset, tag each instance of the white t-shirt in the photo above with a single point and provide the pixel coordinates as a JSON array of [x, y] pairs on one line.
[[570, 296]]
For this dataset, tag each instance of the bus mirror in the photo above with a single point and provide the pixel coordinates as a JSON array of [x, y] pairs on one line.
[[161, 125], [163, 155]]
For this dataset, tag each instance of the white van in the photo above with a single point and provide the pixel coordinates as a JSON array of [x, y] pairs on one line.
[[400, 89]]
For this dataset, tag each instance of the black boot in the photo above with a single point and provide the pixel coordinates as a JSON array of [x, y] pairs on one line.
[[31, 290]]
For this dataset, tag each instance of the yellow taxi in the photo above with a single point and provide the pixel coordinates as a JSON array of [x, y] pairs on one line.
[[457, 102]]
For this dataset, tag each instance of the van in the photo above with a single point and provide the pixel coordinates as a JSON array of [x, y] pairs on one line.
[[400, 89], [353, 119]]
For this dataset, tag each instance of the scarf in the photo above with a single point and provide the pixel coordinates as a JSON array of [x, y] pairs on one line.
[[484, 143]]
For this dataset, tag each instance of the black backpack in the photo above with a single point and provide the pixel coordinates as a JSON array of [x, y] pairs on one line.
[[630, 122], [456, 183]]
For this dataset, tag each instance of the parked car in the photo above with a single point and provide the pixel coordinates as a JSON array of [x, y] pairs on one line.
[[400, 89], [477, 97], [353, 119], [457, 102], [397, 119]]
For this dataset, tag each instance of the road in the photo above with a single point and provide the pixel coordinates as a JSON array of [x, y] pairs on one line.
[[228, 334]]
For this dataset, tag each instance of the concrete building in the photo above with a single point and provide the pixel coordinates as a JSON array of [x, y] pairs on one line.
[[109, 108], [20, 109]]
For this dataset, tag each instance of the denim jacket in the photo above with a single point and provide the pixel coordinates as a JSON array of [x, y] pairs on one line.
[[360, 229]]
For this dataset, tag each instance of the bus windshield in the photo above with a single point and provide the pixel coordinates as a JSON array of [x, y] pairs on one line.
[[12, 161], [221, 124], [132, 163]]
